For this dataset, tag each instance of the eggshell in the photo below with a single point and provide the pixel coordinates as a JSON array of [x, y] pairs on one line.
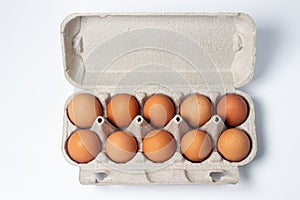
[[83, 110], [121, 147], [196, 110], [196, 145], [83, 146], [234, 145], [159, 110], [159, 146], [233, 109], [122, 109]]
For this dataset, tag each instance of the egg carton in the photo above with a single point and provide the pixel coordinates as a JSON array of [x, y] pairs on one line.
[[176, 54]]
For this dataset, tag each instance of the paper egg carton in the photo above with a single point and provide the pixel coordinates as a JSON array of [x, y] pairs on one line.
[[176, 54]]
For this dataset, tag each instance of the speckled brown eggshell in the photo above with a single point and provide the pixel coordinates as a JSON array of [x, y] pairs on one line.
[[122, 109], [196, 145], [233, 109], [196, 110], [234, 145], [121, 147], [159, 146], [83, 110], [159, 110], [83, 146]]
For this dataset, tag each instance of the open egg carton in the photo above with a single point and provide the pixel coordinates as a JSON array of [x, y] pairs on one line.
[[175, 54]]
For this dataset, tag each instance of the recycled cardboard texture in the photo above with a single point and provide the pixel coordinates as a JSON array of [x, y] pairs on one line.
[[172, 53]]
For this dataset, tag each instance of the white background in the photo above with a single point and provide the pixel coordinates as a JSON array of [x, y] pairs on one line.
[[34, 90]]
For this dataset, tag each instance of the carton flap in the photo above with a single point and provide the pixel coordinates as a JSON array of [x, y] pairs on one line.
[[183, 49]]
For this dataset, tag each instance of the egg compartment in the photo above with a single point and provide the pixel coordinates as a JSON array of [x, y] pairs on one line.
[[149, 53], [179, 165]]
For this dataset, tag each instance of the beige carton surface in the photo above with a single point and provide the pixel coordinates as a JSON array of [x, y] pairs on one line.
[[176, 54]]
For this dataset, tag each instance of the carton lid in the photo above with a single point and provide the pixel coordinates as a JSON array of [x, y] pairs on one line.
[[179, 49]]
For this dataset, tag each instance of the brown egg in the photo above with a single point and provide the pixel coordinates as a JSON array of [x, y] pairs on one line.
[[122, 109], [159, 146], [196, 110], [196, 145], [233, 109], [121, 147], [83, 146], [83, 110], [234, 145], [159, 110]]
